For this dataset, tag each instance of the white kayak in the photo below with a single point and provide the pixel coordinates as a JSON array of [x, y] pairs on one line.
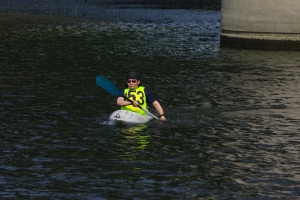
[[128, 118]]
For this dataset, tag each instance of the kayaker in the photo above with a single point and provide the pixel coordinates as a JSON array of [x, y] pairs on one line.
[[139, 95]]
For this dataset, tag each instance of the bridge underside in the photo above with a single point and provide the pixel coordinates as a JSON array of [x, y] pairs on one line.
[[267, 41], [256, 24]]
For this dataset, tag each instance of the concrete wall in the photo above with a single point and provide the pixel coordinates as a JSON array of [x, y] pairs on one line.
[[270, 24]]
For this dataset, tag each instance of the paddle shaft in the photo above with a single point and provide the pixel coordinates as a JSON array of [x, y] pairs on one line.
[[141, 107]]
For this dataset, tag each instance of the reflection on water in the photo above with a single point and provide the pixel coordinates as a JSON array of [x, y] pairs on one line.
[[134, 139], [233, 114]]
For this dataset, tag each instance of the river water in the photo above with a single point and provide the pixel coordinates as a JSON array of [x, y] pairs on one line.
[[233, 115]]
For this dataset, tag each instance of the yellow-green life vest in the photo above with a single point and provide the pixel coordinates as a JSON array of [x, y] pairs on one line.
[[138, 95]]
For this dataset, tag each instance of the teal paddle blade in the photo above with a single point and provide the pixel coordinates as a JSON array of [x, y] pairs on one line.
[[107, 85]]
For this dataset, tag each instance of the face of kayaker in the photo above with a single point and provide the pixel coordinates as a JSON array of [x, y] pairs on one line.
[[133, 83]]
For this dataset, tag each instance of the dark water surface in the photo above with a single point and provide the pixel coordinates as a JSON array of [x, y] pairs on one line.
[[233, 114]]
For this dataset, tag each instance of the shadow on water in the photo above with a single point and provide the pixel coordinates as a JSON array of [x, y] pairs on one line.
[[232, 114]]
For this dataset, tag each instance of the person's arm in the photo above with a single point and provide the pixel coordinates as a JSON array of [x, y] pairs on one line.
[[159, 109], [121, 102]]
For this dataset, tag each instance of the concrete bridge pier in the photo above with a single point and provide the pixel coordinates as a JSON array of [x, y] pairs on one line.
[[260, 24]]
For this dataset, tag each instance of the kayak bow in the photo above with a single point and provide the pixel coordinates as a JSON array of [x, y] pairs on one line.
[[128, 118]]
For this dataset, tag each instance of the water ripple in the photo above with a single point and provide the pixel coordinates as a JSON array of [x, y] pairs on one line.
[[232, 114]]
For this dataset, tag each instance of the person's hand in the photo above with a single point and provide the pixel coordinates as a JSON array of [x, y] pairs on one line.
[[163, 118], [135, 103]]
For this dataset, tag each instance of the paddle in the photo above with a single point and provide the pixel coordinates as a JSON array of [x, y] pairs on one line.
[[112, 89]]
